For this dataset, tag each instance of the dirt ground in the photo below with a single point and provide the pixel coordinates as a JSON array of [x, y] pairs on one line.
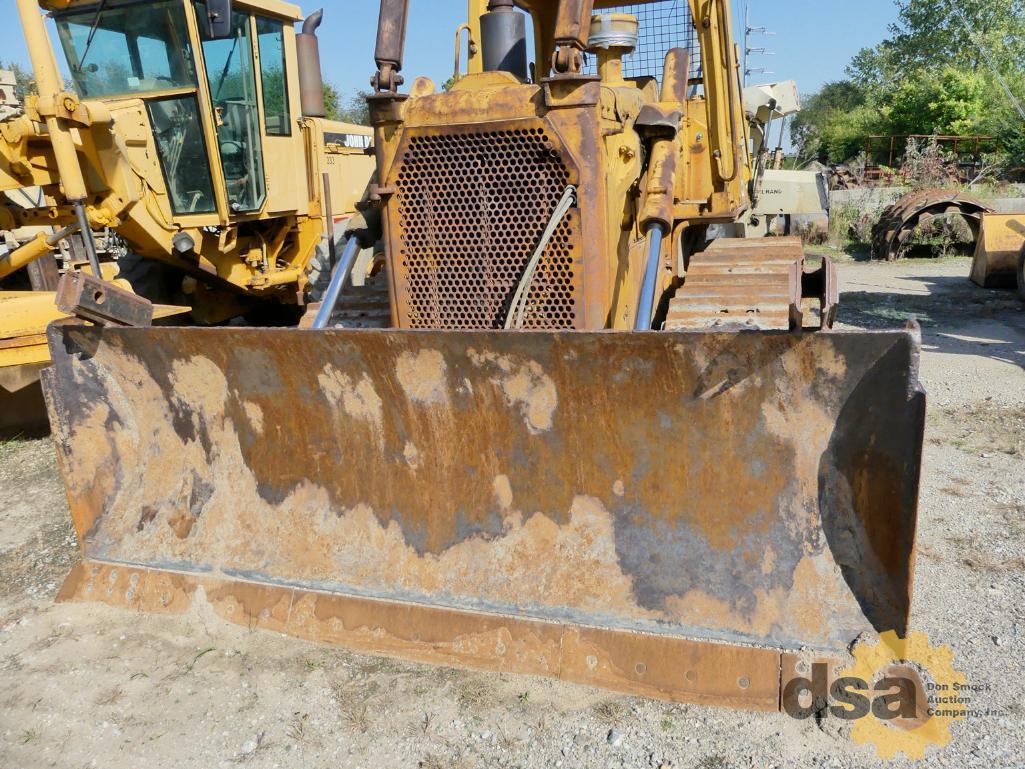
[[87, 686]]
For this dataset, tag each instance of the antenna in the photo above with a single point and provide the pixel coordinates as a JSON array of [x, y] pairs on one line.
[[750, 50]]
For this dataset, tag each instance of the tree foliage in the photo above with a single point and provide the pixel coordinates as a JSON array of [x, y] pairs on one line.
[[25, 79], [943, 69], [350, 109]]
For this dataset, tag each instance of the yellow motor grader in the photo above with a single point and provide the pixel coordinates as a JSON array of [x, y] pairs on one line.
[[588, 443], [193, 139]]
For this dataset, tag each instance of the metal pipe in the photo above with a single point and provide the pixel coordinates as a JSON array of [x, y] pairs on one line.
[[338, 280], [87, 238], [471, 48], [311, 77], [329, 222], [50, 85], [646, 302], [503, 39]]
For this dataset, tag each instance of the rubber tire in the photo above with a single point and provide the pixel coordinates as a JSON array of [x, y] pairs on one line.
[[1021, 274], [319, 273]]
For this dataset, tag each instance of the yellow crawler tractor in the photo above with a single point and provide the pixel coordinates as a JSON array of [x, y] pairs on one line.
[[194, 139], [588, 444]]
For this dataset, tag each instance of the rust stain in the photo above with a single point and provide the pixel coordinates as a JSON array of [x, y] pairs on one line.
[[672, 669], [618, 513]]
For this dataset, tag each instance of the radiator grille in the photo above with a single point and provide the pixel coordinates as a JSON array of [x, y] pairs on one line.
[[472, 208]]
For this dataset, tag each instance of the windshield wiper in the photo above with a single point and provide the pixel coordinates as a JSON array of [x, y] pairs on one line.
[[227, 66], [92, 33]]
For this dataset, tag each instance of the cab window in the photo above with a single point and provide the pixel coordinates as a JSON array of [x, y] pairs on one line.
[[116, 49], [271, 37], [231, 76]]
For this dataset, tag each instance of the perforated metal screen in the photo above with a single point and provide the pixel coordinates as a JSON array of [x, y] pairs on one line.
[[663, 25], [472, 206]]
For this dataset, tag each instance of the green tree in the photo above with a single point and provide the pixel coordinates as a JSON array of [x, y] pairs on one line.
[[945, 67], [25, 78], [351, 109], [332, 100], [948, 101], [834, 122]]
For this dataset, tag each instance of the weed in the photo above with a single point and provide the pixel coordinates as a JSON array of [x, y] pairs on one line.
[[609, 712], [1014, 519], [713, 762], [422, 727], [296, 731], [961, 540], [506, 742], [984, 428], [376, 665], [111, 697], [188, 667], [8, 447], [28, 735], [352, 705], [928, 166], [542, 726], [667, 724], [474, 694]]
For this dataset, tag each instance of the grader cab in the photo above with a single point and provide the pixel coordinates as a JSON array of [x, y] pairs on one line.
[[194, 131], [190, 162], [589, 445]]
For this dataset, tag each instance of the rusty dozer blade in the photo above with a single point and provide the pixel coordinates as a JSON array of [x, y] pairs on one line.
[[657, 513]]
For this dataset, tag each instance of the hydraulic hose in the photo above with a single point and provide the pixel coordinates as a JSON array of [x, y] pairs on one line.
[[339, 278]]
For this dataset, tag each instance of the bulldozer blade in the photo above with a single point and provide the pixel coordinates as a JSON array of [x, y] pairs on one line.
[[665, 514], [998, 249]]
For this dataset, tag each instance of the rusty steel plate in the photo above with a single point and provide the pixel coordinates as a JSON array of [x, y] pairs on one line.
[[752, 488]]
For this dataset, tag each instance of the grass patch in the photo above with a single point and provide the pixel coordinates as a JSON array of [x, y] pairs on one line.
[[110, 697], [984, 428], [713, 762], [353, 703], [475, 694], [298, 731], [609, 712]]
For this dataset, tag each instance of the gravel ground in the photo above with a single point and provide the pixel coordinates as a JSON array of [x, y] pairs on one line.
[[88, 686]]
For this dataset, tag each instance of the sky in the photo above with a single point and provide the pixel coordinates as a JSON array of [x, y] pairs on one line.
[[814, 41]]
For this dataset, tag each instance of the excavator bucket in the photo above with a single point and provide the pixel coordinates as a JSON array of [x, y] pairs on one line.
[[666, 514]]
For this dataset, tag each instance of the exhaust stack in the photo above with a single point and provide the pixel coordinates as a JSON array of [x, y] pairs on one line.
[[503, 34], [311, 79]]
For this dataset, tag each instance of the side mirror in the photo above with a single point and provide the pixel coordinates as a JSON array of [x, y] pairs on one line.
[[214, 17]]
